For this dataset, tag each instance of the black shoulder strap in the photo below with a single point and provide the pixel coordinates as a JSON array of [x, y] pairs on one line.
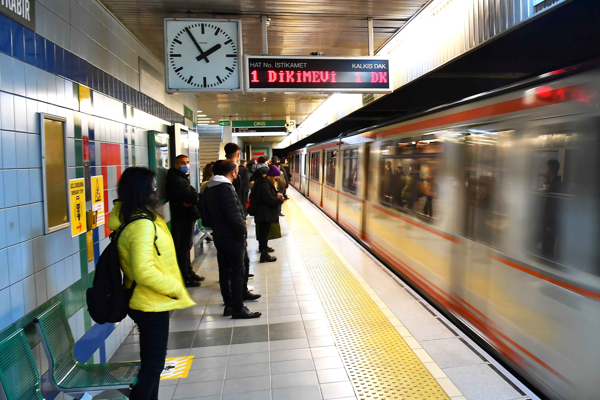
[[133, 219]]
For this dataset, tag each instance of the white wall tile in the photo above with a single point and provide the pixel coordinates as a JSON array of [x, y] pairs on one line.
[[21, 154], [17, 301], [12, 226], [29, 294], [7, 111], [42, 84], [18, 77], [51, 286], [31, 81], [32, 118], [9, 150], [20, 114], [37, 219], [76, 267], [71, 152], [5, 312], [15, 269], [11, 195], [25, 223], [41, 291], [34, 151], [4, 278], [27, 258]]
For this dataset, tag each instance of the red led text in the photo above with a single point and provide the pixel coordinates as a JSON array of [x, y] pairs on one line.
[[286, 76]]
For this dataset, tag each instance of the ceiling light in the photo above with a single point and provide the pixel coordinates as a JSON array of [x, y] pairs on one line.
[[204, 119], [201, 115], [199, 111]]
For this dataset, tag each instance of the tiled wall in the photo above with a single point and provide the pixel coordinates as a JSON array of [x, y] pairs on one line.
[[37, 270]]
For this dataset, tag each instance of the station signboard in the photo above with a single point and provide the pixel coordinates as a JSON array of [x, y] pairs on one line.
[[317, 74]]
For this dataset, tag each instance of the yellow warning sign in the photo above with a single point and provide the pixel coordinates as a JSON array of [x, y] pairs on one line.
[[98, 198], [176, 367], [77, 196]]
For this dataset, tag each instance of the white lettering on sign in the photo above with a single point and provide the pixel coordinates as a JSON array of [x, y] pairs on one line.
[[19, 7], [260, 123]]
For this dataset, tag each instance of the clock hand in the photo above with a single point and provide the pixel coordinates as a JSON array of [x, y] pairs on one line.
[[195, 42], [208, 52]]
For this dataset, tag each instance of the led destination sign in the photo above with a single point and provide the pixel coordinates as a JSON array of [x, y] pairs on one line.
[[317, 74]]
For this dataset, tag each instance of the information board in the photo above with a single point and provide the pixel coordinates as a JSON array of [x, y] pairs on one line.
[[317, 74], [77, 203]]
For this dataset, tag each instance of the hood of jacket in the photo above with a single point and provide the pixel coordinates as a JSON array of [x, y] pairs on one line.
[[218, 180], [175, 172], [114, 221]]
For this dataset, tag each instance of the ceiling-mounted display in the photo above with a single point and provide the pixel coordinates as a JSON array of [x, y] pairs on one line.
[[203, 55], [317, 74]]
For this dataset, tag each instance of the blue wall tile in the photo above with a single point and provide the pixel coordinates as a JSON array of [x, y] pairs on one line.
[[27, 258], [50, 57], [37, 219], [12, 226], [6, 73], [35, 185], [17, 301], [5, 36], [59, 58], [7, 111], [23, 186], [29, 46], [18, 43], [40, 52], [9, 149], [29, 294], [39, 253], [15, 269], [5, 313], [34, 149], [11, 196], [18, 70], [4, 280], [25, 223], [21, 149], [2, 229]]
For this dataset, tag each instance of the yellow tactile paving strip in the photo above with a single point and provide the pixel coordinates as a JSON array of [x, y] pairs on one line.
[[380, 363]]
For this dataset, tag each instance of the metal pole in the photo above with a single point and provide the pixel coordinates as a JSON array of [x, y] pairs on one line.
[[265, 40], [370, 30]]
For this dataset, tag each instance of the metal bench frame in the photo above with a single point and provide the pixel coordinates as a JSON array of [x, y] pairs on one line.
[[78, 392]]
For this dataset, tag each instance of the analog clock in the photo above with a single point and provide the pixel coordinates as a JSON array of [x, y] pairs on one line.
[[203, 55]]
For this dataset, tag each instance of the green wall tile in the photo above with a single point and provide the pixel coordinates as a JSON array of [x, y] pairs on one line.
[[79, 152], [77, 124]]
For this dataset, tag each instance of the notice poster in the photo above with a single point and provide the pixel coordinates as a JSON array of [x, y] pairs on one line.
[[98, 198], [77, 203]]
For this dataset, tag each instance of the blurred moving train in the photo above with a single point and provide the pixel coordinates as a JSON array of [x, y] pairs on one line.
[[491, 208]]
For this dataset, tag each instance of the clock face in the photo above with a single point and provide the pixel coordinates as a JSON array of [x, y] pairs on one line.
[[202, 55]]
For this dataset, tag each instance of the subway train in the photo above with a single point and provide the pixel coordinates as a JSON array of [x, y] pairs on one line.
[[490, 207]]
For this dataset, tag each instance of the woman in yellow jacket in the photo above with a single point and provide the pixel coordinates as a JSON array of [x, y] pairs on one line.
[[147, 256]]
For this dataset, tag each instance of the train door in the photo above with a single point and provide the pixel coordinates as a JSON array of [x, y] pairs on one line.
[[351, 189], [330, 194], [315, 175]]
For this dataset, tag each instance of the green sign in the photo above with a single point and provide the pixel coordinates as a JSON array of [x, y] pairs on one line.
[[259, 123], [367, 98], [187, 113], [224, 123]]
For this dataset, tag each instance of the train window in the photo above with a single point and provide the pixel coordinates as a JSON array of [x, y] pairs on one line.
[[315, 166], [305, 164], [409, 170], [350, 170], [564, 187], [330, 167], [297, 163]]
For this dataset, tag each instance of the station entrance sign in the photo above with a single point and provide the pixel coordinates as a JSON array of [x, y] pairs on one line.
[[317, 74]]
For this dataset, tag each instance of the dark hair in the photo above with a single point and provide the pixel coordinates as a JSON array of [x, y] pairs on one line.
[[554, 166], [262, 159], [137, 193], [224, 167], [207, 172], [275, 159], [179, 157], [230, 149], [251, 162]]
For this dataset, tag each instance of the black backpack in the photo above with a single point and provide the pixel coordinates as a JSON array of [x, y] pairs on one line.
[[108, 299]]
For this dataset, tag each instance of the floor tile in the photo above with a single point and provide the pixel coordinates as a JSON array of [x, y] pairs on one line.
[[317, 332], [337, 390], [284, 311], [286, 326], [247, 348], [287, 335], [427, 329], [213, 337], [189, 312], [210, 351], [481, 382], [244, 371], [321, 341], [209, 362], [204, 375], [191, 390], [325, 351], [298, 393], [328, 363], [243, 385], [184, 324], [259, 395], [332, 375], [284, 318], [450, 353], [246, 359], [285, 367], [250, 334], [178, 353], [294, 379], [289, 344], [314, 324], [288, 355], [180, 340], [166, 392]]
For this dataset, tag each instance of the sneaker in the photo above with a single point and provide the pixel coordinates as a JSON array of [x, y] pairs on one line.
[[249, 296], [244, 313], [195, 277], [192, 284], [266, 257]]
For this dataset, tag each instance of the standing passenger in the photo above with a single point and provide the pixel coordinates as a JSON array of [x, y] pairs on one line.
[[242, 181], [269, 201], [184, 213], [228, 223], [148, 257]]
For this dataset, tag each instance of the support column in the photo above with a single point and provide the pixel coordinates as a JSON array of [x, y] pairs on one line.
[[264, 21], [371, 39]]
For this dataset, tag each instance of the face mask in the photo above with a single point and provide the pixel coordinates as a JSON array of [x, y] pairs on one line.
[[185, 169]]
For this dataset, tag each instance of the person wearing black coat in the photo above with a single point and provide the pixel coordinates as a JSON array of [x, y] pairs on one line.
[[228, 222], [183, 198], [267, 212], [241, 184]]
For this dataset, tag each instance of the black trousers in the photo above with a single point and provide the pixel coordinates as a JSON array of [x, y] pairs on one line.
[[183, 236], [234, 265], [154, 335], [262, 233]]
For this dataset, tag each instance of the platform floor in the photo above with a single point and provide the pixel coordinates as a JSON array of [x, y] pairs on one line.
[[336, 324]]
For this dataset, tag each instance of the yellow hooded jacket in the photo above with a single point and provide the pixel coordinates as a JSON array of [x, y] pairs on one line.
[[159, 285]]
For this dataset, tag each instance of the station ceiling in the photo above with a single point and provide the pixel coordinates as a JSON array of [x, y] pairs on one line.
[[334, 27]]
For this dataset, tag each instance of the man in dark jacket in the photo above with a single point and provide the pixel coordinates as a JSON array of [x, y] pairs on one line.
[[183, 198], [261, 169], [267, 212], [241, 184], [228, 223]]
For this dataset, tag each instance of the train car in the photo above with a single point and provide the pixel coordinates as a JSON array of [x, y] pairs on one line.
[[490, 207], [298, 169], [315, 172], [323, 174]]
